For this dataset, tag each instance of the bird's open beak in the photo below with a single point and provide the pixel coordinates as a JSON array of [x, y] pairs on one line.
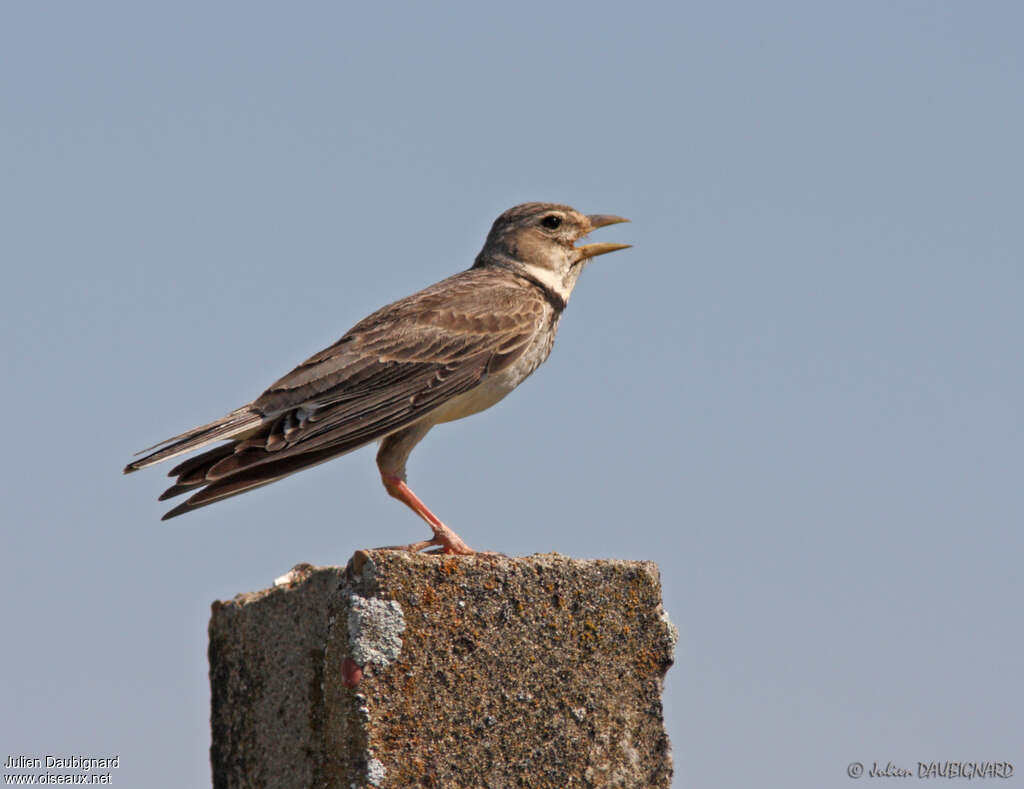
[[593, 250]]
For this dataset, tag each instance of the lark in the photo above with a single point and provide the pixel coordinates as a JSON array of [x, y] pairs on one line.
[[449, 351]]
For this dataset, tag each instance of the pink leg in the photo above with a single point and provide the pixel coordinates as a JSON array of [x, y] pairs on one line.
[[444, 537]]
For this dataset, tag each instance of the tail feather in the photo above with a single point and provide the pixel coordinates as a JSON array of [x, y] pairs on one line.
[[238, 423], [247, 479], [193, 472], [177, 490], [195, 467]]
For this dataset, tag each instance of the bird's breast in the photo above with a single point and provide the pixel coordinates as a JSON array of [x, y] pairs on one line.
[[493, 388]]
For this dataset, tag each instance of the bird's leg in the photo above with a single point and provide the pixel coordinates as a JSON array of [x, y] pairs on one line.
[[391, 458], [444, 537]]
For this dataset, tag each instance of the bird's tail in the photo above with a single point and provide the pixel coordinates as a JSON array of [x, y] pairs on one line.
[[238, 424]]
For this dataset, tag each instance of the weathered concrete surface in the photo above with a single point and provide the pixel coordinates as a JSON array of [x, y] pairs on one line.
[[468, 672], [266, 672]]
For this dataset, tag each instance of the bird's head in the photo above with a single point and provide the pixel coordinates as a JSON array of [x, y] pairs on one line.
[[539, 241]]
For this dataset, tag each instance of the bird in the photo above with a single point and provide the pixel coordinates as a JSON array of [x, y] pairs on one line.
[[443, 353]]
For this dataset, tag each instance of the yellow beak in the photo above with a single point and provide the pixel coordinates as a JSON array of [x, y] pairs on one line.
[[593, 250]]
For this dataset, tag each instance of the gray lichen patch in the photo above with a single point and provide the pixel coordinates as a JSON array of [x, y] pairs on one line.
[[375, 630], [672, 630], [375, 772]]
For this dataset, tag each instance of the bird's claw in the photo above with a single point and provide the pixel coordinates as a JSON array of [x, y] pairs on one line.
[[449, 543]]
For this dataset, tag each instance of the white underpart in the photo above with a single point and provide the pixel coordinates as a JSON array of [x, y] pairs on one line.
[[550, 279]]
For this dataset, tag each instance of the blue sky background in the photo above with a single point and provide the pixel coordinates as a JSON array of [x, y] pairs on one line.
[[800, 393]]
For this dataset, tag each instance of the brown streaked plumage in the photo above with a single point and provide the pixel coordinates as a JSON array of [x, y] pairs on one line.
[[446, 352]]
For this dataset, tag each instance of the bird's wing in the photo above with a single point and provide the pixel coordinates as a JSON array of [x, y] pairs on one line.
[[401, 362], [387, 372]]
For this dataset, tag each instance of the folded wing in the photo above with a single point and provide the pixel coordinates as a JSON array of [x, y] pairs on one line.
[[389, 371]]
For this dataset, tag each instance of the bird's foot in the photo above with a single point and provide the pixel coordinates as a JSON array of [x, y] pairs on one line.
[[444, 539], [449, 543]]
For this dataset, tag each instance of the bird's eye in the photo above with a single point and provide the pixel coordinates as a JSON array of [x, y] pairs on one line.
[[551, 221]]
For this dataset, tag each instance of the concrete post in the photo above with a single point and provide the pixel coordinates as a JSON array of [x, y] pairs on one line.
[[405, 670]]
